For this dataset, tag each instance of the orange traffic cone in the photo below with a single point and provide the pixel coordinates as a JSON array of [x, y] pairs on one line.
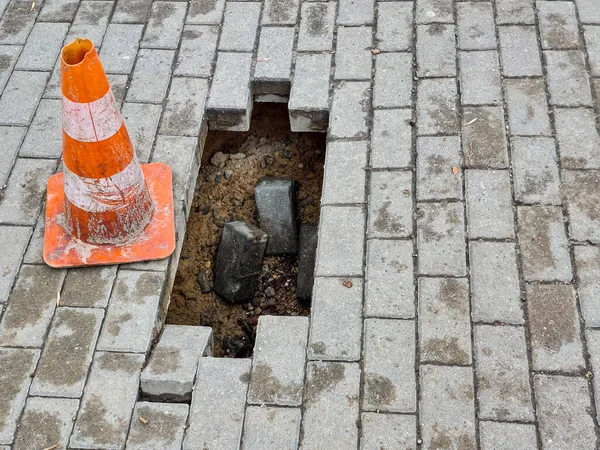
[[105, 208]]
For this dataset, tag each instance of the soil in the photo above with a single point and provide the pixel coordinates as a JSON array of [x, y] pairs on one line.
[[225, 192]]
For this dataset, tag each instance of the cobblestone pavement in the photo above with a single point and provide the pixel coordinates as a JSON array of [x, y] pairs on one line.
[[457, 298]]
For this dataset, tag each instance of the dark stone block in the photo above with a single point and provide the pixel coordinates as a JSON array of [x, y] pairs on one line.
[[306, 261], [239, 260]]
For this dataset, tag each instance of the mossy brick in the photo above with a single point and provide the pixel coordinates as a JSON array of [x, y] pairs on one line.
[[157, 425]]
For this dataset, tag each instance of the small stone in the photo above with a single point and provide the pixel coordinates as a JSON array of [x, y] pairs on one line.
[[258, 310], [228, 174], [272, 302], [203, 281], [219, 159], [293, 314], [270, 292], [237, 156], [301, 166], [218, 178]]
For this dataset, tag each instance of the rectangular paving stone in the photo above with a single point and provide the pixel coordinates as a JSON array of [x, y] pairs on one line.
[[240, 24], [44, 138], [91, 21], [34, 253], [514, 11], [16, 22], [8, 56], [429, 11], [588, 11], [495, 290], [436, 158], [535, 170], [436, 106], [119, 86], [184, 110], [274, 61], [503, 390], [544, 245], [15, 239], [577, 137], [391, 145], [390, 290], [436, 50], [444, 322], [554, 326], [446, 407], [587, 262], [355, 12], [206, 12], [353, 53], [120, 47], [316, 26], [389, 366], [142, 122], [573, 426], [220, 388], [166, 423], [390, 205], [88, 287], [593, 345], [331, 409], [519, 51], [393, 80], [476, 28], [480, 78], [21, 96], [16, 368], [592, 43], [109, 398], [276, 12], [131, 11], [132, 310], [336, 320], [383, 431], [484, 137], [43, 46], [151, 76], [394, 26], [581, 191], [350, 110], [68, 352], [567, 77], [30, 306], [344, 180], [527, 107], [11, 138], [197, 51], [268, 428], [507, 436], [558, 25], [164, 27], [441, 239], [58, 10]]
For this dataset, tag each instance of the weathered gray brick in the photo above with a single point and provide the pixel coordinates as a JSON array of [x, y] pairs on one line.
[[151, 76], [34, 253], [164, 427], [58, 10], [91, 21], [480, 78], [17, 21], [436, 106], [484, 137], [197, 51], [184, 111], [15, 239], [274, 61], [131, 11], [495, 290], [44, 138], [164, 26], [277, 12], [567, 77], [88, 287], [109, 398], [593, 346], [535, 170], [344, 179], [514, 11], [577, 137], [436, 158], [268, 428], [588, 11], [11, 138], [350, 110], [142, 123], [507, 436], [331, 407], [391, 145], [502, 373], [43, 46], [394, 26], [429, 11], [436, 50], [558, 25], [21, 96], [527, 107], [8, 56], [581, 190], [447, 409], [489, 204], [476, 26], [592, 43], [390, 204], [336, 319], [444, 322], [519, 51], [383, 431], [355, 12], [353, 53], [587, 262], [390, 290], [206, 12], [389, 366], [441, 239], [118, 85], [120, 47], [240, 25], [393, 80]]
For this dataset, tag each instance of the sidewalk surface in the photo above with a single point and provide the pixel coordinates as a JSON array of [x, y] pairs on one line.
[[457, 293]]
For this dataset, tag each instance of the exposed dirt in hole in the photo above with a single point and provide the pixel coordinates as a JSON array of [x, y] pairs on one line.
[[226, 194]]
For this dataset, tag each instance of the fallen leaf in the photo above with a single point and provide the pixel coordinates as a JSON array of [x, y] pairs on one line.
[[455, 170], [263, 59], [375, 51], [32, 8], [589, 375], [207, 264], [347, 283], [406, 191], [144, 421], [472, 121]]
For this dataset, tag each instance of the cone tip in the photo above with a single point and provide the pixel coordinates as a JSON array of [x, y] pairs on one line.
[[75, 52]]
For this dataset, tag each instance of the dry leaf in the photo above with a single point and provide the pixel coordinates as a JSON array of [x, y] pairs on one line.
[[375, 51], [347, 283], [144, 421], [406, 191], [455, 170], [32, 8], [207, 264], [472, 121]]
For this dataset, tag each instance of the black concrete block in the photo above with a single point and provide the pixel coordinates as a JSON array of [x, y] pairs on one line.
[[306, 261]]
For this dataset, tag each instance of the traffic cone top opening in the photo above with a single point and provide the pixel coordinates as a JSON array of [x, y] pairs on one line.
[[75, 52]]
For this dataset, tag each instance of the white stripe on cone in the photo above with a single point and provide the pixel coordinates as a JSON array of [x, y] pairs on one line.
[[91, 122]]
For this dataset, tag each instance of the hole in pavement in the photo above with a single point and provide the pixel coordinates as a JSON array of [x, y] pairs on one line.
[[225, 193]]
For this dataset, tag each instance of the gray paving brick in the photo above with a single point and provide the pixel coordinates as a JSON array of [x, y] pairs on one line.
[[164, 27], [26, 187], [476, 26], [88, 287], [388, 431], [391, 145], [394, 26], [393, 80], [344, 179], [484, 137], [543, 244], [593, 346], [519, 53], [390, 204], [316, 26], [587, 262], [11, 138], [336, 320], [554, 327], [278, 12], [58, 10], [131, 11], [502, 373], [240, 24], [331, 408], [8, 57], [568, 81], [16, 22], [109, 398], [44, 138], [34, 253], [43, 46], [446, 407], [197, 51], [53, 87], [436, 106], [390, 290], [441, 239], [131, 314], [91, 21], [166, 423], [389, 366], [535, 170], [271, 428], [480, 78], [489, 204], [15, 239], [21, 96], [527, 107], [350, 110], [118, 84], [558, 25], [588, 11], [429, 11], [507, 436], [142, 123], [356, 12], [68, 352], [151, 76], [578, 138], [16, 368], [353, 53], [436, 50], [563, 405], [581, 190], [274, 61], [184, 110], [221, 389], [120, 47], [206, 12], [495, 290], [514, 11], [436, 157]]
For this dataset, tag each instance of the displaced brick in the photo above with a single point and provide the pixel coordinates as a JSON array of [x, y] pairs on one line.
[[15, 240], [21, 96], [240, 25], [476, 28], [577, 137], [581, 190], [390, 204], [436, 158], [480, 78], [391, 145], [388, 431], [527, 107], [344, 179], [353, 53], [268, 428], [151, 76], [587, 262], [307, 252], [43, 46], [567, 77], [519, 51], [507, 436], [393, 80], [436, 50], [274, 61], [350, 110], [184, 111], [484, 137], [436, 106], [197, 51], [120, 47], [164, 27], [164, 427], [394, 26]]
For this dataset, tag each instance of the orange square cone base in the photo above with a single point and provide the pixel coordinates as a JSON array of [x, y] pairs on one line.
[[156, 241]]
